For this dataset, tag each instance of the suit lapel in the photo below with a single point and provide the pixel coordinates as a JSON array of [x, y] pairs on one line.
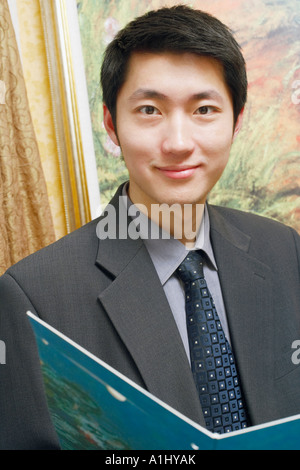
[[246, 288], [138, 308]]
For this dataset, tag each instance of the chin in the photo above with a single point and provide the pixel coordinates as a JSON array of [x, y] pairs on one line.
[[183, 198]]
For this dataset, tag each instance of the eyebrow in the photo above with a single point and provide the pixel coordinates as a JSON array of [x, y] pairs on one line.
[[141, 93], [144, 93]]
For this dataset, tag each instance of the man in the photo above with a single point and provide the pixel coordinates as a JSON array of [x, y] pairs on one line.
[[174, 88]]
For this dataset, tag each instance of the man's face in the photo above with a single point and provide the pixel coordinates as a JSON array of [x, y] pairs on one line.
[[174, 127]]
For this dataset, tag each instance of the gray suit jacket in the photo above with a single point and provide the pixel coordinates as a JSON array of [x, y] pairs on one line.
[[106, 296]]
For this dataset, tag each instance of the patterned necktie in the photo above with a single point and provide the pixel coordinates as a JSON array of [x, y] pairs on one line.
[[212, 361]]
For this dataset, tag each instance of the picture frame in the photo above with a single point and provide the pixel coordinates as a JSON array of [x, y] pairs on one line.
[[71, 113]]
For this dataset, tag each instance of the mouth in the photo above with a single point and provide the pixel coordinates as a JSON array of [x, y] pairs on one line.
[[178, 172]]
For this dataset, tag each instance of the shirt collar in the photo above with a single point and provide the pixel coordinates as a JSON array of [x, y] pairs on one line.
[[167, 252]]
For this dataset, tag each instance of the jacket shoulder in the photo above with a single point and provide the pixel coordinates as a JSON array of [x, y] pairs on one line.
[[249, 221], [82, 244], [266, 239]]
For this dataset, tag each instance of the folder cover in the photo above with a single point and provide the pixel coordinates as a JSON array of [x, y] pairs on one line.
[[94, 407]]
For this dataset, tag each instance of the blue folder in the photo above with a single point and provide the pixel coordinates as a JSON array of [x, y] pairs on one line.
[[95, 407]]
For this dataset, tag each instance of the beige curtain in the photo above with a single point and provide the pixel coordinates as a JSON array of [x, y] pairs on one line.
[[25, 219]]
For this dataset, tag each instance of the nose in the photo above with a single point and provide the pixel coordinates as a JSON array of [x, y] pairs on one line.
[[177, 138]]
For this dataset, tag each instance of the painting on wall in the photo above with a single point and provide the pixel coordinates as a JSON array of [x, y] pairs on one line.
[[263, 174]]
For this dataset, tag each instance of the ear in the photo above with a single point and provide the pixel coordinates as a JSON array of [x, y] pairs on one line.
[[238, 124], [109, 125]]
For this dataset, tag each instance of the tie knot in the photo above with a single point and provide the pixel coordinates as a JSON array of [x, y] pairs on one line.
[[191, 267]]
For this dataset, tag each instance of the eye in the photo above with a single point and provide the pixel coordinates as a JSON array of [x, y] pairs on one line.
[[149, 110], [205, 110]]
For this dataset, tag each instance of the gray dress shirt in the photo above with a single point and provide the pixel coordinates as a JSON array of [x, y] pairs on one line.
[[167, 254]]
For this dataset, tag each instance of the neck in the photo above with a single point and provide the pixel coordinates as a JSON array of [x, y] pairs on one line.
[[181, 221]]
